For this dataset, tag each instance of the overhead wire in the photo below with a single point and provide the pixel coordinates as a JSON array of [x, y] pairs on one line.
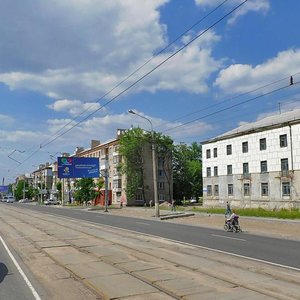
[[138, 80], [140, 67], [230, 107]]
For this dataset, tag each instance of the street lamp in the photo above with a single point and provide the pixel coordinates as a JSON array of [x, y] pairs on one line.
[[153, 163]]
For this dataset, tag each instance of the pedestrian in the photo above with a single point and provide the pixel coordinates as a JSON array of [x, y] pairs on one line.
[[173, 205], [150, 203], [228, 211]]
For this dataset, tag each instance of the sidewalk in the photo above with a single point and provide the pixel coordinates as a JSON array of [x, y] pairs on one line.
[[281, 228]]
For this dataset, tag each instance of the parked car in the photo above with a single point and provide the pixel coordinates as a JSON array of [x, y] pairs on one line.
[[10, 199], [51, 202], [25, 200]]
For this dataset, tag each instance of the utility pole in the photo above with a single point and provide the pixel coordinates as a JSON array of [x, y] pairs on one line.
[[106, 190], [156, 202]]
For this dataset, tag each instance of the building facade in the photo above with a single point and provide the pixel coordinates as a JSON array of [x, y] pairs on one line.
[[109, 161], [255, 165]]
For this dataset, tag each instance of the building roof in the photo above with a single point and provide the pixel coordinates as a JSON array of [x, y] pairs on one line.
[[274, 121]]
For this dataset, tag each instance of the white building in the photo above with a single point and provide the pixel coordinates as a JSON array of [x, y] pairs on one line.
[[255, 165]]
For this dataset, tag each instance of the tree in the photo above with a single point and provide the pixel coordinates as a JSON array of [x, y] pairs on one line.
[[187, 171], [23, 189], [59, 189], [133, 145], [85, 190]]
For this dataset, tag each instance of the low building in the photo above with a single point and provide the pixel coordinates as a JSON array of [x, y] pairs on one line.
[[255, 165]]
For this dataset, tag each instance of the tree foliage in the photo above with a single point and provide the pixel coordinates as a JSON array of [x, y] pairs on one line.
[[85, 190], [187, 171], [29, 190], [132, 146]]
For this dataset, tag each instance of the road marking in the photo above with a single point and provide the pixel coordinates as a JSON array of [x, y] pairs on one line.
[[227, 237], [35, 294], [142, 223], [184, 243]]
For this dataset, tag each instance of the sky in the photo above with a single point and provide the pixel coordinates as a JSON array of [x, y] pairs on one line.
[[71, 69]]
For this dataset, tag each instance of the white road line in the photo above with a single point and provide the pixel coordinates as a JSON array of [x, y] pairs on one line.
[[143, 223], [35, 294], [188, 244], [227, 237]]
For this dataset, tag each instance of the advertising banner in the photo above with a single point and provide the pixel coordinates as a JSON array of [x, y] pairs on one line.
[[78, 167], [3, 188]]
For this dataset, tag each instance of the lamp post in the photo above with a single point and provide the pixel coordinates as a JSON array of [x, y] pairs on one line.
[[153, 163]]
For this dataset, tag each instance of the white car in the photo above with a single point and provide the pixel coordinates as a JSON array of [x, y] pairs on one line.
[[51, 202], [10, 199]]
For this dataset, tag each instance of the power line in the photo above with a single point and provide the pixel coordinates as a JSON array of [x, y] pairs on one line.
[[230, 107], [148, 73], [140, 79], [139, 68]]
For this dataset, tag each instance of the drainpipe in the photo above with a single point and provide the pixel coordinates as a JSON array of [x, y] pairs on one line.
[[291, 141]]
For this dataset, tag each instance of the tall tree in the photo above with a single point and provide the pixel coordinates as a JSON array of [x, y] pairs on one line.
[[187, 171], [132, 146]]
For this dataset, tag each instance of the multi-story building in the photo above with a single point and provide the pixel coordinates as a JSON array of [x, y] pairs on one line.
[[42, 179], [110, 158], [255, 165]]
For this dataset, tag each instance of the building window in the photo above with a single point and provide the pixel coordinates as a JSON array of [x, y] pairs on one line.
[[264, 189], [283, 140], [245, 169], [229, 149], [229, 169], [286, 189], [117, 184], [216, 190], [246, 189], [161, 161], [161, 197], [215, 171], [209, 191], [161, 173], [139, 197], [284, 166], [263, 166], [208, 153], [263, 144], [245, 147], [161, 185], [215, 152], [230, 189], [208, 172]]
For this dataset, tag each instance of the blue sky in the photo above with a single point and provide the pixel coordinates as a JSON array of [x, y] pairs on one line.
[[59, 57]]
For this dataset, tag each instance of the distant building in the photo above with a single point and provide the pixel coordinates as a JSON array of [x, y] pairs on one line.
[[109, 160], [255, 165]]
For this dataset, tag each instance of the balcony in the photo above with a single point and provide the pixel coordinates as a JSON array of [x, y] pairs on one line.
[[246, 176]]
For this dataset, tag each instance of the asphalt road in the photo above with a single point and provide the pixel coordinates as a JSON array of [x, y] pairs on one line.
[[276, 251], [12, 284]]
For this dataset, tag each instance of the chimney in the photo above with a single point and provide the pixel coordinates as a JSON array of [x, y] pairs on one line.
[[94, 143]]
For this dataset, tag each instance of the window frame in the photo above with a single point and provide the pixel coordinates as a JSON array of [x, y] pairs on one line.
[[245, 148], [229, 169], [229, 149], [216, 152], [264, 186], [284, 186], [216, 171], [246, 191], [283, 140], [208, 154], [230, 189], [262, 144], [208, 172], [262, 166], [216, 190]]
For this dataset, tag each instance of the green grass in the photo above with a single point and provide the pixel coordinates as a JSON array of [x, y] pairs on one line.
[[252, 212]]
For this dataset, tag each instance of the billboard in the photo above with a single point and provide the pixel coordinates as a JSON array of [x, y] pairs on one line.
[[3, 188], [78, 167]]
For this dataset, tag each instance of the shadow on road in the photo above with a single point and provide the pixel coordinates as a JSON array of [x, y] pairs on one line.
[[3, 271]]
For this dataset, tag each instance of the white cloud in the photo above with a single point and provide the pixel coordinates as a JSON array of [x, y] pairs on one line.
[[6, 120], [74, 107], [73, 50], [239, 78], [260, 6]]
